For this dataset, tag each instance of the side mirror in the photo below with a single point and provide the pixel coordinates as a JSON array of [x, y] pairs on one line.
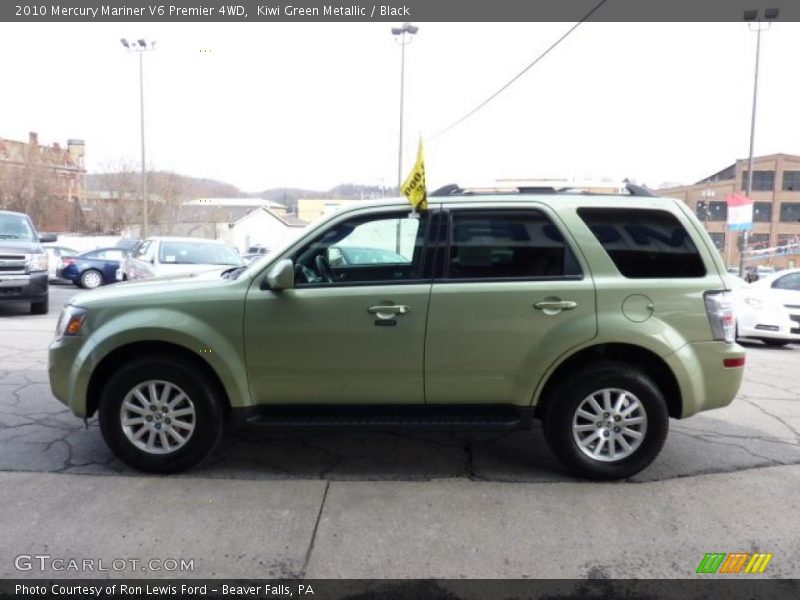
[[46, 238], [281, 275]]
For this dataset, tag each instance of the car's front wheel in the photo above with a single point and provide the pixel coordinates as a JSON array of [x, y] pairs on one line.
[[608, 421], [157, 415]]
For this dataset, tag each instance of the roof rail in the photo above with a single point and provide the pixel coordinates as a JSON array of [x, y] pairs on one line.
[[454, 190]]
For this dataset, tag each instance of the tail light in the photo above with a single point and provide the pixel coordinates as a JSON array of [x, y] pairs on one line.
[[67, 261], [719, 307]]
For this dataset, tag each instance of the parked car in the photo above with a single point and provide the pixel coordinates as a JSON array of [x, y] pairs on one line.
[[760, 315], [94, 268], [601, 316], [163, 256], [23, 262], [755, 273], [786, 286], [358, 255], [54, 256], [254, 253]]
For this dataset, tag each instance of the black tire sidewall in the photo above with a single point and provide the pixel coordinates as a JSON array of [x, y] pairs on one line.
[[567, 398], [208, 408]]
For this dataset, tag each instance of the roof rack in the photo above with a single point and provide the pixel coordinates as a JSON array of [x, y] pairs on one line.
[[454, 190]]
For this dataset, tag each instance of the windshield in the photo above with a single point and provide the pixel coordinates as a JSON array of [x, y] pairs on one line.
[[198, 253], [16, 227]]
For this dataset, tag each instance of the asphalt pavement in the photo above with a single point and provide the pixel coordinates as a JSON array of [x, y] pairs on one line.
[[400, 505]]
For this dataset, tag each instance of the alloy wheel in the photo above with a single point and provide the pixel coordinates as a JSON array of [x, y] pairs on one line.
[[609, 425], [157, 417], [92, 279]]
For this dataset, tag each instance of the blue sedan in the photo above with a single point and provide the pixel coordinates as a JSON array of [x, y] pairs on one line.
[[94, 268]]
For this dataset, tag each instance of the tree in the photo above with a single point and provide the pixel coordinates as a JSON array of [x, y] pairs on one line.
[[30, 185]]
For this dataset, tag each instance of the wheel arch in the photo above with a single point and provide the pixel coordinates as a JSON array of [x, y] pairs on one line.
[[637, 356], [109, 363]]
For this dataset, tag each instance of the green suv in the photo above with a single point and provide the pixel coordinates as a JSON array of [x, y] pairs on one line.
[[602, 316]]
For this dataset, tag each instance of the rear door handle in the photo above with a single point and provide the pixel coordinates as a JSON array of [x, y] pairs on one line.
[[555, 305], [388, 311]]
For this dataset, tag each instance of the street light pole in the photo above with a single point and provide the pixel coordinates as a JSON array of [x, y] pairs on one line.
[[770, 14], [406, 30], [141, 47]]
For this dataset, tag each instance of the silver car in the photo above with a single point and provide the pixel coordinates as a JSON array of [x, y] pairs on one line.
[[165, 256]]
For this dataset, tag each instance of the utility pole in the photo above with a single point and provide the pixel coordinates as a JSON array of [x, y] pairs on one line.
[[141, 46], [752, 16], [404, 34]]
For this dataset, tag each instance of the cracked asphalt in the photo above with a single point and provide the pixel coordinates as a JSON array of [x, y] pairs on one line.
[[398, 504]]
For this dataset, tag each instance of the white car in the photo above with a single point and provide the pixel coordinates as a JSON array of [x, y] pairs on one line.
[[54, 255], [760, 315], [165, 256], [785, 286]]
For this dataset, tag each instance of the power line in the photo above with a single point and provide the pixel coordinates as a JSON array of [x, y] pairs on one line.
[[521, 73]]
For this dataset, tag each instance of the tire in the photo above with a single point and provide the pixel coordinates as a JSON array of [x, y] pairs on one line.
[[91, 279], [41, 308], [775, 343], [641, 398], [201, 429]]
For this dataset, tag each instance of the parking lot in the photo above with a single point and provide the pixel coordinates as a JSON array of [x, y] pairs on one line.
[[398, 504]]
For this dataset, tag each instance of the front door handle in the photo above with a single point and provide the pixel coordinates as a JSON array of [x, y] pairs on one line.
[[388, 311], [548, 305]]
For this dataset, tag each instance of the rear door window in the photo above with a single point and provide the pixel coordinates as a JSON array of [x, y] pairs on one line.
[[507, 245], [645, 243]]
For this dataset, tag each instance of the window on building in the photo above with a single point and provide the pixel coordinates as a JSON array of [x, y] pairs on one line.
[[506, 245], [719, 241], [762, 212], [702, 210], [717, 211], [763, 181], [790, 212], [791, 181], [645, 243], [758, 240], [784, 239]]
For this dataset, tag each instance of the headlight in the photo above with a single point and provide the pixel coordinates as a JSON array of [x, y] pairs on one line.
[[36, 262], [754, 303], [70, 322]]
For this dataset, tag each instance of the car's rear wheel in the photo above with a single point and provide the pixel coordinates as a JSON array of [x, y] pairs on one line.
[[158, 415], [608, 421], [91, 278]]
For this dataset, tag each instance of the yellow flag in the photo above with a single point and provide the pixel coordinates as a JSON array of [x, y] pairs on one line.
[[413, 187]]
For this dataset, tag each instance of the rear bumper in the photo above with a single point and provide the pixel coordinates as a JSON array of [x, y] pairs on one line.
[[768, 331], [20, 288], [705, 382]]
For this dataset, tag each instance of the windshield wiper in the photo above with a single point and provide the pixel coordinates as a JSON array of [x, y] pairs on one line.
[[233, 272]]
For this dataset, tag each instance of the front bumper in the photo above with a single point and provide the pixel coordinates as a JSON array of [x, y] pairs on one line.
[[27, 287], [63, 369], [704, 380]]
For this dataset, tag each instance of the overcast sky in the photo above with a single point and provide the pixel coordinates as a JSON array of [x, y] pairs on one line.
[[314, 105]]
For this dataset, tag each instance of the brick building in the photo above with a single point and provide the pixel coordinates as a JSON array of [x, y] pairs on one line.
[[46, 182], [776, 212]]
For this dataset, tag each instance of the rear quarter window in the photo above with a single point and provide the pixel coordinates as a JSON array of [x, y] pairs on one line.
[[645, 243]]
